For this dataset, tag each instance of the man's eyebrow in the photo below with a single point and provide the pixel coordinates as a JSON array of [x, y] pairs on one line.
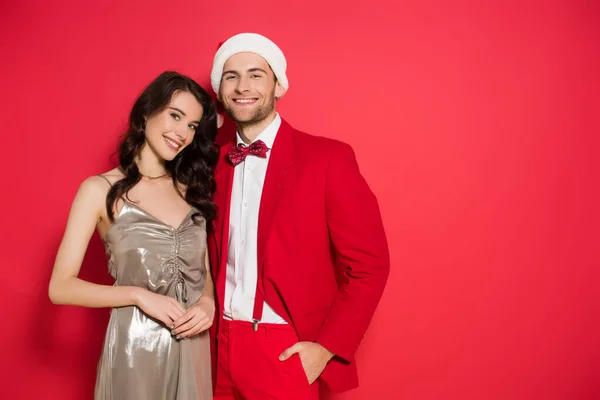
[[230, 71], [257, 69]]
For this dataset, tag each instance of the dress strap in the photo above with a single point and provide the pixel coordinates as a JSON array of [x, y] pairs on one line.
[[106, 179]]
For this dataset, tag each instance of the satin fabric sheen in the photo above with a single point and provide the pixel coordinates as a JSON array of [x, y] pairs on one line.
[[140, 358]]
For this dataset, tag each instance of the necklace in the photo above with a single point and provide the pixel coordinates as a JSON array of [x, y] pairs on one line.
[[154, 177]]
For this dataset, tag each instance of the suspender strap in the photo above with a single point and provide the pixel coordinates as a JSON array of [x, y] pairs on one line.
[[259, 303]]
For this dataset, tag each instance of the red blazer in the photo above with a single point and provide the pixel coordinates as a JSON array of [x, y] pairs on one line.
[[323, 258]]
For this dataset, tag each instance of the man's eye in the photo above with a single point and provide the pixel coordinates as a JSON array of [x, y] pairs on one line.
[[230, 77], [256, 76]]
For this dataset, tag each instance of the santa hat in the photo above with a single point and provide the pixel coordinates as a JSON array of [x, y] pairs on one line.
[[251, 43]]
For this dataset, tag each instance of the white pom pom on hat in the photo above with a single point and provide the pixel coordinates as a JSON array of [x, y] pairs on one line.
[[251, 43]]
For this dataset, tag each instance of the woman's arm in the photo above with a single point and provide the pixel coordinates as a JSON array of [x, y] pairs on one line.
[[65, 286]]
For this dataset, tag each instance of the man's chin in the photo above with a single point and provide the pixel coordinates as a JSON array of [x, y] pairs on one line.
[[244, 119], [247, 118], [240, 117]]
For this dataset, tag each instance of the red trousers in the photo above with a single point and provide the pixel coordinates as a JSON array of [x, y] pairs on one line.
[[248, 365]]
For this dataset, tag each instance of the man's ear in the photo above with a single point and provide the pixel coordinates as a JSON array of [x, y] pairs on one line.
[[279, 90], [220, 120]]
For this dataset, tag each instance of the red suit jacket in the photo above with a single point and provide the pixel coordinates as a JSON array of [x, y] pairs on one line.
[[323, 258]]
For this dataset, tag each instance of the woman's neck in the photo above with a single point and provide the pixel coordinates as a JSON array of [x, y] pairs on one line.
[[149, 164]]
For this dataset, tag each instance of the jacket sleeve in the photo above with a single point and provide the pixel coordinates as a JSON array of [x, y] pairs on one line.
[[358, 237]]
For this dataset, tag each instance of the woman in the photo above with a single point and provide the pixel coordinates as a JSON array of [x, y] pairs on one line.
[[152, 213]]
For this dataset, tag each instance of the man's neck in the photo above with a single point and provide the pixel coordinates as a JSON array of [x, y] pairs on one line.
[[249, 132]]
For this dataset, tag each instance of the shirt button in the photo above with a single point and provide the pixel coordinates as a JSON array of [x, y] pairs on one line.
[[245, 204], [243, 242]]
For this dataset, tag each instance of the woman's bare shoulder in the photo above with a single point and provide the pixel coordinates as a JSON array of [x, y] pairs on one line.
[[100, 184], [112, 176]]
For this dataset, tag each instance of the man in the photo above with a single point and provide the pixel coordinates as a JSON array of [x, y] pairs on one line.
[[299, 253]]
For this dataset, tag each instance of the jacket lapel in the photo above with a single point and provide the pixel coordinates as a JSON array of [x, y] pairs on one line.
[[281, 158], [222, 199]]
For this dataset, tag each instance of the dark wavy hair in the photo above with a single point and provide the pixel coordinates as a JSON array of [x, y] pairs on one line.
[[192, 167]]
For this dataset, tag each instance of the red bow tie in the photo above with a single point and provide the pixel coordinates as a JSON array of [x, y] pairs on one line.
[[238, 153]]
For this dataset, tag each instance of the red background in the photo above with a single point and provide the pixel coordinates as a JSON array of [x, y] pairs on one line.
[[474, 122]]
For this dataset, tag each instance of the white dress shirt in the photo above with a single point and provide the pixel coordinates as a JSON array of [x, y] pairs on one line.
[[242, 268]]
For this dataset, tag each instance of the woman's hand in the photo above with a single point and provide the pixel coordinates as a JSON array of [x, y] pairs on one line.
[[198, 318], [163, 308]]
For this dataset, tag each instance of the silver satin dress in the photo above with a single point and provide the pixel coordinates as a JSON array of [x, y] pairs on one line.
[[140, 359]]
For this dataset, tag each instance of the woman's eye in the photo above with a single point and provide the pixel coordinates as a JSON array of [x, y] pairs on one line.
[[192, 127], [175, 116]]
